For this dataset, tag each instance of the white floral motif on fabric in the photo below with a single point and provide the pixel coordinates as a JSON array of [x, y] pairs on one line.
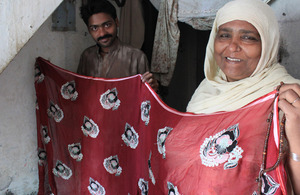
[[145, 111], [45, 135], [172, 189], [68, 91], [55, 112], [109, 99], [38, 75], [75, 151], [36, 104], [111, 164], [89, 127], [130, 136], [151, 175], [143, 185], [61, 170], [269, 186], [42, 155], [222, 148], [161, 140], [95, 188]]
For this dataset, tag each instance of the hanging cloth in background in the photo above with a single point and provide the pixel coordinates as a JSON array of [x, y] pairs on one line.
[[166, 42], [199, 15], [115, 136], [132, 25]]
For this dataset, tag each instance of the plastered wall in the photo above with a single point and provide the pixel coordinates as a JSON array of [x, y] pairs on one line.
[[18, 22], [288, 14], [18, 162]]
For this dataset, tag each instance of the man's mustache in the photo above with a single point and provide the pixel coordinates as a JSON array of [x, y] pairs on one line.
[[104, 37]]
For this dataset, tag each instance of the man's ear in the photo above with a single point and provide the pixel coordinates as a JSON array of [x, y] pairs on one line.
[[117, 21]]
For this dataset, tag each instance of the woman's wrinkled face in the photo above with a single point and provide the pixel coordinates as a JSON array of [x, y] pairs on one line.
[[237, 49]]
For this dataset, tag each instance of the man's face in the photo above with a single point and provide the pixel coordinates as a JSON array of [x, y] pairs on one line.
[[103, 29]]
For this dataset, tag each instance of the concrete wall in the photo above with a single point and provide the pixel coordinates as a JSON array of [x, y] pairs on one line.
[[18, 162], [288, 14], [18, 22]]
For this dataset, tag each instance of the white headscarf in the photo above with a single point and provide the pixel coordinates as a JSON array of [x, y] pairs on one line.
[[215, 93]]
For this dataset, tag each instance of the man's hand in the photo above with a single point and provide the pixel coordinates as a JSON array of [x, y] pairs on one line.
[[148, 77]]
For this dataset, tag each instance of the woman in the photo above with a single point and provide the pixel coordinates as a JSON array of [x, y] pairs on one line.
[[241, 65]]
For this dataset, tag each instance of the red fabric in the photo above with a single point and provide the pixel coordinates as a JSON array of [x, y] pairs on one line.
[[218, 153]]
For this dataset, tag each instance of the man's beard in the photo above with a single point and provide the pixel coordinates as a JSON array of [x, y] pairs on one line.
[[108, 44]]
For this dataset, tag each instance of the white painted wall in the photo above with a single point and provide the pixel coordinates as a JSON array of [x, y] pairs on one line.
[[18, 22], [18, 154], [18, 162], [288, 14]]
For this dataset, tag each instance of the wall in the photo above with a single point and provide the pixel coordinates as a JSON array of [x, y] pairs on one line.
[[18, 162], [288, 14], [18, 22]]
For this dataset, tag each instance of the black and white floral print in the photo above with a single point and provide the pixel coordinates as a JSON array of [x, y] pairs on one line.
[[55, 112], [111, 164], [145, 111], [109, 99], [161, 139], [61, 170], [222, 148], [68, 91], [95, 188], [130, 137], [143, 185], [172, 189], [75, 151], [89, 127]]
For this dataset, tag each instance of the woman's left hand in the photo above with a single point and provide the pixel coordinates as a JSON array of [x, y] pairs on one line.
[[289, 103]]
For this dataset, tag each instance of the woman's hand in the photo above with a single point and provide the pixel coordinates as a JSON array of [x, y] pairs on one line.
[[289, 103], [148, 77]]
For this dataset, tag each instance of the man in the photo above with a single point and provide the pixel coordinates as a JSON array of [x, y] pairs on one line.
[[110, 58]]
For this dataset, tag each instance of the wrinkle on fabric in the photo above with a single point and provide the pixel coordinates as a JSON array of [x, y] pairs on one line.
[[115, 136]]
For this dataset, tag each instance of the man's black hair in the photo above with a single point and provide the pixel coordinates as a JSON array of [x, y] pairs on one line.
[[91, 7]]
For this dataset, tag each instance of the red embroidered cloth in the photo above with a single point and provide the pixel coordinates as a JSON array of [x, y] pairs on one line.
[[115, 136]]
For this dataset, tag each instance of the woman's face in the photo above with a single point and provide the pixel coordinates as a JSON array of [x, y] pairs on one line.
[[237, 49]]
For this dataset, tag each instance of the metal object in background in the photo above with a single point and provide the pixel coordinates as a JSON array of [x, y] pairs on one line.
[[63, 18]]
